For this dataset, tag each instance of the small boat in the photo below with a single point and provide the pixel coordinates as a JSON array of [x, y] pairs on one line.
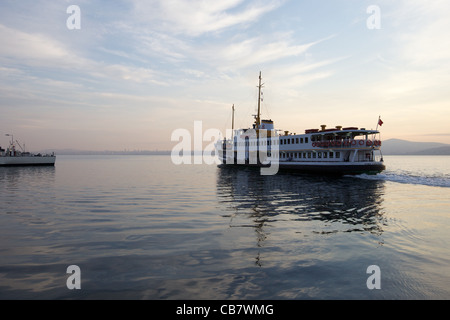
[[14, 157], [339, 150]]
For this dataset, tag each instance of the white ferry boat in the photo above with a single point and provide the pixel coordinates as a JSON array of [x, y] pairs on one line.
[[339, 150], [14, 157]]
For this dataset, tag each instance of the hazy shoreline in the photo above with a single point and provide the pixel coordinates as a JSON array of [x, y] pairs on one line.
[[389, 147]]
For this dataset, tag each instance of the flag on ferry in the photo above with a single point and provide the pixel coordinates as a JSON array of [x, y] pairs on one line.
[[380, 123]]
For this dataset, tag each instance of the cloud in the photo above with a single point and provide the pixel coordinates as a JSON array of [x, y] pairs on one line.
[[260, 50], [424, 37], [40, 51], [33, 49], [197, 17], [161, 45], [242, 52], [179, 32], [412, 66]]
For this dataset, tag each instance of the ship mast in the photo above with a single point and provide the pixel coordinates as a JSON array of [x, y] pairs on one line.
[[232, 119], [232, 124], [258, 116]]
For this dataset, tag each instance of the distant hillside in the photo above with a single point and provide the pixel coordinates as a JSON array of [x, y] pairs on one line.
[[404, 147], [445, 150]]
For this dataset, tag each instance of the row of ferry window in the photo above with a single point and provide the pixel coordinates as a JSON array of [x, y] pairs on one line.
[[254, 143], [268, 142], [310, 155], [293, 140]]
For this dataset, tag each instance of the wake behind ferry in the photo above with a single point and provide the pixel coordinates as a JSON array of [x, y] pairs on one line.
[[339, 150]]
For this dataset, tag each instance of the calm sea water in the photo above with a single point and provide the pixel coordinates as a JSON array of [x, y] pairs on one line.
[[140, 227]]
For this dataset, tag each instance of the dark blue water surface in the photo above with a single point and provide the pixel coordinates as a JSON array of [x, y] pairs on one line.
[[140, 227]]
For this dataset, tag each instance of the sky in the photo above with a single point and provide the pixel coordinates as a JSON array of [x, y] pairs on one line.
[[124, 75]]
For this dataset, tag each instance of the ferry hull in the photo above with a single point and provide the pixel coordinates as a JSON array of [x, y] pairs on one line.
[[27, 161], [339, 169], [331, 169]]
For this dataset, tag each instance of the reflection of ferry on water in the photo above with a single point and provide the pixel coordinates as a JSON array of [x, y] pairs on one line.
[[308, 210], [344, 205], [339, 150], [14, 157]]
